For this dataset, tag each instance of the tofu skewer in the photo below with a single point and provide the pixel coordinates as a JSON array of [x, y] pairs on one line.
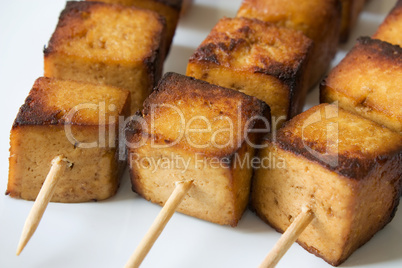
[[81, 130], [44, 196], [350, 184], [372, 53], [218, 193], [94, 184], [182, 187], [218, 161], [288, 238]]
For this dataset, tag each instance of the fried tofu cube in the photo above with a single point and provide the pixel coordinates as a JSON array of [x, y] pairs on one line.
[[258, 59], [319, 20], [78, 121], [345, 168], [350, 13], [192, 130], [368, 81], [109, 45], [390, 30], [169, 9]]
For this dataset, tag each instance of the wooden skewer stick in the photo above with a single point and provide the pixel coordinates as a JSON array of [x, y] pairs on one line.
[[288, 238], [159, 224], [39, 207]]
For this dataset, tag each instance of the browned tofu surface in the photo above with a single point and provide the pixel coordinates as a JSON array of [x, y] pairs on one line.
[[318, 20], [368, 81], [345, 168], [110, 45], [258, 59], [390, 30], [78, 121], [169, 9], [350, 13], [192, 130]]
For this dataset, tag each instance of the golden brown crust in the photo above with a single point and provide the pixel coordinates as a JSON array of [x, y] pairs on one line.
[[361, 84], [71, 27], [42, 106], [86, 46], [33, 113], [392, 53], [73, 11], [355, 161], [174, 86], [178, 90], [318, 20], [251, 45], [237, 35], [314, 18], [169, 9]]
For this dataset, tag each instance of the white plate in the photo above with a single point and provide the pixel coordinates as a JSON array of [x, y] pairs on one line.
[[104, 234]]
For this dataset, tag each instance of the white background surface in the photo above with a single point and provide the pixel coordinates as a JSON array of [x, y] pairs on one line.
[[104, 234]]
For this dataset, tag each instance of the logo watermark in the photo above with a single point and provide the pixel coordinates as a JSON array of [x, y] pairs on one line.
[[331, 137], [198, 161], [197, 132]]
